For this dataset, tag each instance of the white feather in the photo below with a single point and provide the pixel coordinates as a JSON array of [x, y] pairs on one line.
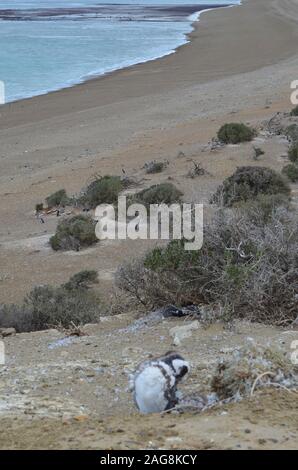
[[150, 387]]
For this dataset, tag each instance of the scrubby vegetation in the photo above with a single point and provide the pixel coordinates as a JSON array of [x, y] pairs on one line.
[[293, 153], [291, 171], [247, 267], [250, 368], [103, 190], [82, 280], [74, 233], [59, 198], [165, 193], [294, 111], [235, 133], [258, 152], [39, 207], [248, 182], [197, 170], [47, 306], [155, 167], [292, 132]]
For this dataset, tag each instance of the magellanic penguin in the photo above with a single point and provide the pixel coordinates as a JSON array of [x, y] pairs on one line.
[[154, 382]]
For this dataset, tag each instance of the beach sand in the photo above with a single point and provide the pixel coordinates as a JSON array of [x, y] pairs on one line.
[[238, 66]]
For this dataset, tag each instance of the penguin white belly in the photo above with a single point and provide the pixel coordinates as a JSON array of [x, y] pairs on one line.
[[150, 389]]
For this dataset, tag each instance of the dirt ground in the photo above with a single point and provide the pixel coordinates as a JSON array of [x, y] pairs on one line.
[[68, 393]]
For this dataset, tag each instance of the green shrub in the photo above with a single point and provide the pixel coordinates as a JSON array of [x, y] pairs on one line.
[[294, 111], [59, 198], [248, 182], [104, 190], [291, 171], [49, 307], [292, 132], [293, 153], [247, 268], [73, 233], [235, 133], [16, 316], [83, 280], [165, 193], [52, 306]]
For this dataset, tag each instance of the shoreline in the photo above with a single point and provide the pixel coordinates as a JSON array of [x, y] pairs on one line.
[[193, 18], [204, 58]]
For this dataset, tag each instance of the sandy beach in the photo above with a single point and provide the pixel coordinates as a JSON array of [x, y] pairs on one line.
[[239, 64], [62, 390]]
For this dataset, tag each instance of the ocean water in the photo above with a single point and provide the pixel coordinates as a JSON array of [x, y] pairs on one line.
[[50, 44]]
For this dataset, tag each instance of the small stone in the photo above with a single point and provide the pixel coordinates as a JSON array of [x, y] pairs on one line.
[[81, 418], [7, 332], [179, 333], [90, 374]]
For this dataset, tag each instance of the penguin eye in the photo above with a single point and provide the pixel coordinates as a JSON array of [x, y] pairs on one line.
[[182, 372]]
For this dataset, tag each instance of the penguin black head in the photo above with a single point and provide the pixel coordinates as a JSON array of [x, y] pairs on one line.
[[179, 365]]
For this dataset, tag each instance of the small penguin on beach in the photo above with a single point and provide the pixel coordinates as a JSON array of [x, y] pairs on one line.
[[155, 381]]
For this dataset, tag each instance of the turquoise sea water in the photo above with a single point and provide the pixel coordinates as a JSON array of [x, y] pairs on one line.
[[49, 44]]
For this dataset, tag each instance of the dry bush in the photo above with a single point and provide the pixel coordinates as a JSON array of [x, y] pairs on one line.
[[47, 307], [252, 367], [248, 265], [82, 280], [247, 182], [197, 170], [155, 167]]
